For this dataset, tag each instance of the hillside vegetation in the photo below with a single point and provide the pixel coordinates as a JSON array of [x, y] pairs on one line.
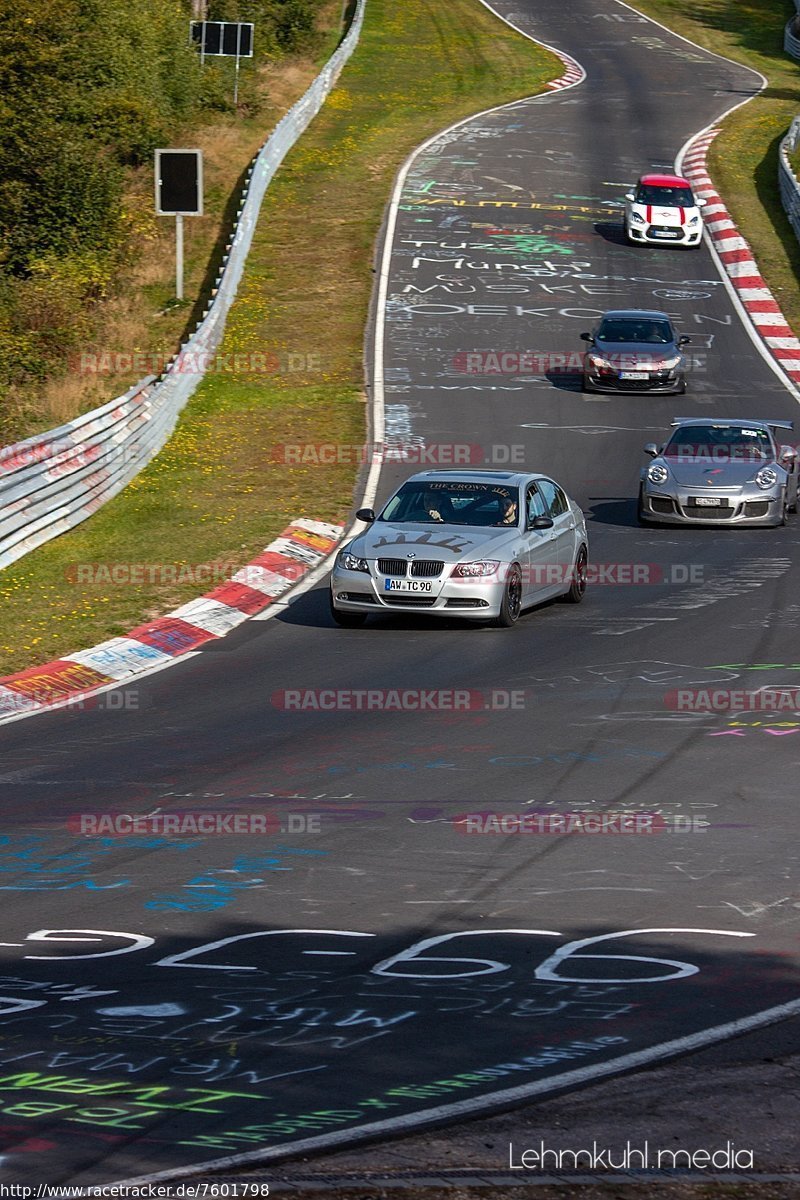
[[88, 90]]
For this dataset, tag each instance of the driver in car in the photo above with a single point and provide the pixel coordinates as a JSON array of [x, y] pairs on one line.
[[509, 512], [436, 506]]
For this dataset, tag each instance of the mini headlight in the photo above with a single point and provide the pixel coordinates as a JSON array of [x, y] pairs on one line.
[[472, 569], [637, 218], [657, 473], [766, 478], [351, 562]]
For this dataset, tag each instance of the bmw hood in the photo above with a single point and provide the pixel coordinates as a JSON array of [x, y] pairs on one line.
[[711, 473], [450, 544]]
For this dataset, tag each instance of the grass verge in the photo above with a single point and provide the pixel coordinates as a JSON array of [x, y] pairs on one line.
[[743, 161], [216, 493]]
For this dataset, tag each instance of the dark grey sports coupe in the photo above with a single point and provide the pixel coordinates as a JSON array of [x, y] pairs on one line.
[[634, 350], [720, 472]]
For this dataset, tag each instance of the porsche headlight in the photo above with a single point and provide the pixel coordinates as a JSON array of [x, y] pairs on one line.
[[352, 562], [767, 478], [472, 569], [657, 473], [637, 218]]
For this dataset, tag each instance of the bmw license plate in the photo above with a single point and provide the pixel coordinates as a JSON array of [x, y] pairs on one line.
[[709, 502], [634, 375], [408, 585]]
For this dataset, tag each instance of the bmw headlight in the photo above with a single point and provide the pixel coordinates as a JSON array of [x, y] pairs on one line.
[[657, 473], [637, 219], [471, 570], [352, 562], [767, 478]]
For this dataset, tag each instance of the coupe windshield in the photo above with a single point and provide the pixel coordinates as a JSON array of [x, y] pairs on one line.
[[668, 197], [645, 330], [719, 442], [453, 503]]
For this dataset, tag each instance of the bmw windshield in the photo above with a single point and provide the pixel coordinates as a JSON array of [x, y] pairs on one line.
[[453, 503]]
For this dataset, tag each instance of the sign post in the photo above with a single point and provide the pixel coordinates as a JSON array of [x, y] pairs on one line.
[[179, 193], [224, 39], [179, 255]]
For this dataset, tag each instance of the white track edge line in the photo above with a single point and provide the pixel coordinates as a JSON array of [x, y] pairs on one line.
[[473, 1107]]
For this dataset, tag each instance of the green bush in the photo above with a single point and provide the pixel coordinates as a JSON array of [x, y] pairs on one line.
[[89, 88]]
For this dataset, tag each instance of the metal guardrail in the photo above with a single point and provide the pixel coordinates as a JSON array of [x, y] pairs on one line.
[[791, 36], [789, 187], [52, 482]]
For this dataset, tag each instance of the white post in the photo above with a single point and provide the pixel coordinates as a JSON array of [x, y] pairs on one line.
[[236, 74], [179, 256]]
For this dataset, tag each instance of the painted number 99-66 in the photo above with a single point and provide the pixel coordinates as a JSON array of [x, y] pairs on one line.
[[583, 960]]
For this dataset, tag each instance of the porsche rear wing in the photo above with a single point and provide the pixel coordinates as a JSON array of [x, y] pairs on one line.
[[738, 420]]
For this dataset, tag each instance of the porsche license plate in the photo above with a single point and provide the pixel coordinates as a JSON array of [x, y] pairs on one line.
[[408, 585], [709, 502]]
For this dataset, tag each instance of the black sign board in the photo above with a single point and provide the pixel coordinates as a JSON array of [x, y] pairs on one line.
[[179, 183], [223, 38]]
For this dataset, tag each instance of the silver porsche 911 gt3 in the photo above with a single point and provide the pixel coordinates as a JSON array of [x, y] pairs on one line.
[[478, 544], [719, 472]]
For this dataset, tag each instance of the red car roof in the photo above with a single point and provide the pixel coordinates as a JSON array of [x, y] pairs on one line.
[[664, 181]]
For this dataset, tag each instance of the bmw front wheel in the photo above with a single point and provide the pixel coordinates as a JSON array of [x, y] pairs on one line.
[[511, 604]]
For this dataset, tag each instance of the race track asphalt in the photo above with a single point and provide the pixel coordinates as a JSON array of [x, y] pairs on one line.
[[228, 1023]]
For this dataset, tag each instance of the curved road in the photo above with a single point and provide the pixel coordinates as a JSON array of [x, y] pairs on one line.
[[364, 964]]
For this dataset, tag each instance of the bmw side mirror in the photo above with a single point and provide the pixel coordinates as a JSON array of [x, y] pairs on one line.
[[542, 523], [684, 340], [652, 449], [630, 196], [366, 514], [586, 337]]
